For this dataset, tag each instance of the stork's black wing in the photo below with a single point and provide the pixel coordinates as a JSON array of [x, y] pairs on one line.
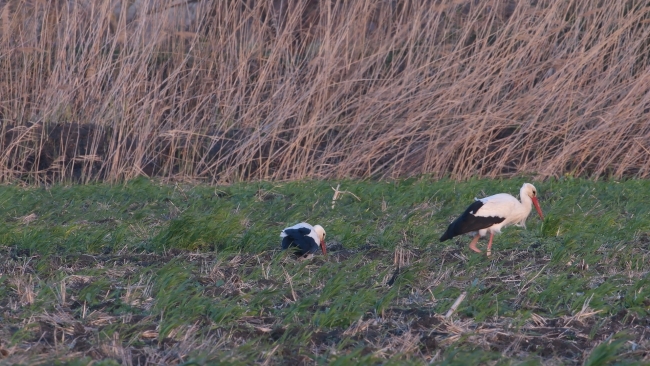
[[299, 239], [468, 222]]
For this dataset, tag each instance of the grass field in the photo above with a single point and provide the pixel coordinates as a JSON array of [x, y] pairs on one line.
[[158, 273]]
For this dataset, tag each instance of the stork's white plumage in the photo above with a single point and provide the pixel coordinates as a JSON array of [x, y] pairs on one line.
[[306, 239], [491, 214]]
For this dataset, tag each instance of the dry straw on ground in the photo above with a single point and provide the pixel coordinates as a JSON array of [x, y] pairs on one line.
[[292, 89]]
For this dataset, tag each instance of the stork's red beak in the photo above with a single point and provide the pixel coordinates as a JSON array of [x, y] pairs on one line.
[[323, 247], [539, 209]]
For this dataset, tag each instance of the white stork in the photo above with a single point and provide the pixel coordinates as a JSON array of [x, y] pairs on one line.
[[492, 213], [306, 238]]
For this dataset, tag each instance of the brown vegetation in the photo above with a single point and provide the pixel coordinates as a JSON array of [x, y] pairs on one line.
[[292, 89]]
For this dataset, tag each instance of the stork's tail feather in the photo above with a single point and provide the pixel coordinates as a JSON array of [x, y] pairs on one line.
[[446, 236]]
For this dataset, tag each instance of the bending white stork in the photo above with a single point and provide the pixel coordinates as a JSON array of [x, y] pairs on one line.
[[306, 238], [492, 213]]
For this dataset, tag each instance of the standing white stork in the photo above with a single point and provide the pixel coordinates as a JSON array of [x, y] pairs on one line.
[[492, 213], [305, 238]]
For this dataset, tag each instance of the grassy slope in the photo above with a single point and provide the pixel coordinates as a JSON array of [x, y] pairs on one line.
[[174, 273]]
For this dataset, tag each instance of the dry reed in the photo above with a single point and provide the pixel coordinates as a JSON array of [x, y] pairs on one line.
[[291, 89]]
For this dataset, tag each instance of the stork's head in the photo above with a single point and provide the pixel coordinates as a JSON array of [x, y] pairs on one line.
[[530, 191], [321, 235]]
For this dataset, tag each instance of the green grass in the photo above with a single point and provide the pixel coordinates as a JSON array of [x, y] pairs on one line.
[[181, 274]]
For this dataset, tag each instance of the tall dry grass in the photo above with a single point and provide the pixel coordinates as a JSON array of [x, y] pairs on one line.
[[290, 89]]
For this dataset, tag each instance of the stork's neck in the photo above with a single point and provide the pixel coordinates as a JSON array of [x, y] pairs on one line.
[[526, 201]]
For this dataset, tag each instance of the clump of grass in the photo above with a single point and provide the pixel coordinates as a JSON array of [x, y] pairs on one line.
[[200, 232], [226, 92], [606, 352]]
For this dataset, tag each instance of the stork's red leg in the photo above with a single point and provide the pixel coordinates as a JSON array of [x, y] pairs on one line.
[[472, 245], [489, 248]]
